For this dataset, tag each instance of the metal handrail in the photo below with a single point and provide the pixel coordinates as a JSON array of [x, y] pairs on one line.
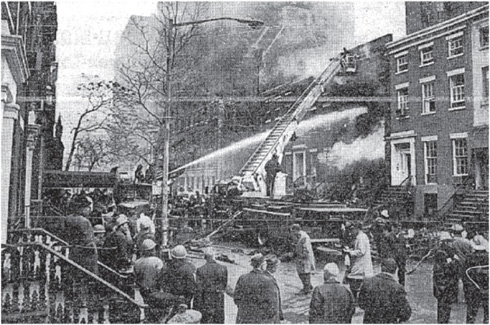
[[66, 244], [464, 183], [88, 273]]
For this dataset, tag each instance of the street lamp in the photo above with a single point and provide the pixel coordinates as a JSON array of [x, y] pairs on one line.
[[254, 24]]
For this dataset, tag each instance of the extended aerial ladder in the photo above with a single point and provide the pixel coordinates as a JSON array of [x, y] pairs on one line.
[[252, 174]]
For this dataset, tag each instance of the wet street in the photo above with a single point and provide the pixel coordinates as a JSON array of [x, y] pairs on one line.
[[296, 307]]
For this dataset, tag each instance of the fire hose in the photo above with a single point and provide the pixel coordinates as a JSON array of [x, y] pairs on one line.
[[468, 275]]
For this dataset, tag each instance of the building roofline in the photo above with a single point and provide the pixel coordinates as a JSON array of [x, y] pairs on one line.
[[443, 25]]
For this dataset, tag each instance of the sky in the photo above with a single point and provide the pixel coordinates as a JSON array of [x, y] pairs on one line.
[[89, 30]]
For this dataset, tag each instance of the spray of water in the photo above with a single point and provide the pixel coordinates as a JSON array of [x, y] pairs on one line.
[[371, 147], [317, 121]]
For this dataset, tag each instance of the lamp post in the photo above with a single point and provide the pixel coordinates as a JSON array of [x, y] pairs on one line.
[[254, 24]]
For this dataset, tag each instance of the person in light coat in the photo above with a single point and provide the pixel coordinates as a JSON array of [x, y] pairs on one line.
[[304, 258], [360, 257]]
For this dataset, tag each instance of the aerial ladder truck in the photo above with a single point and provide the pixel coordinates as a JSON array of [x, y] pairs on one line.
[[252, 174]]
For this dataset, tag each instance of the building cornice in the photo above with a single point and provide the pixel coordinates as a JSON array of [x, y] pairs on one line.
[[424, 33], [14, 52]]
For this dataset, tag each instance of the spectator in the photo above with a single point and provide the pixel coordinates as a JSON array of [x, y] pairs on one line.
[[79, 232], [212, 279], [477, 276], [360, 258], [462, 248], [331, 302], [445, 282], [384, 300], [256, 295], [304, 258], [271, 268], [99, 233]]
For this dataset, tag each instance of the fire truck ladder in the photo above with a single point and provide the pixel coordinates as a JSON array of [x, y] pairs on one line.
[[252, 173]]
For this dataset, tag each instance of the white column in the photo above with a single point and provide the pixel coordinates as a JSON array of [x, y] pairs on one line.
[[10, 114], [32, 133]]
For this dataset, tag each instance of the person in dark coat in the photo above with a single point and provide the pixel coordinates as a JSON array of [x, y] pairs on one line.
[[396, 248], [331, 302], [212, 279], [180, 276], [383, 299], [477, 275], [271, 268], [79, 232], [256, 295], [118, 248], [445, 281], [272, 167]]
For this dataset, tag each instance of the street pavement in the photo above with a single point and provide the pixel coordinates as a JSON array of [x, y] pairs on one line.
[[296, 307]]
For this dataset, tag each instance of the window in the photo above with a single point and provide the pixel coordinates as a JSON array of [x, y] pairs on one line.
[[430, 162], [402, 64], [455, 46], [428, 99], [460, 157], [456, 84], [484, 36], [485, 84], [426, 55], [402, 95]]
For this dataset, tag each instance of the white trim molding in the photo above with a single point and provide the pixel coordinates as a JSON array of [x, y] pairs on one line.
[[427, 79], [401, 54], [461, 135], [423, 46], [402, 85], [402, 135], [455, 72], [455, 35], [429, 138]]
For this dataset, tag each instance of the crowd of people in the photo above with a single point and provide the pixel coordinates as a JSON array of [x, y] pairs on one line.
[[128, 244]]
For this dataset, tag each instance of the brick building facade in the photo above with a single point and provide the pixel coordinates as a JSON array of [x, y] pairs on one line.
[[439, 108]]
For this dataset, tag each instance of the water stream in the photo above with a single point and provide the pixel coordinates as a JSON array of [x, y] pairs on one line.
[[249, 144]]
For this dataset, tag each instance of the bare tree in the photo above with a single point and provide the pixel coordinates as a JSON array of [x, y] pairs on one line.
[[92, 152], [99, 95]]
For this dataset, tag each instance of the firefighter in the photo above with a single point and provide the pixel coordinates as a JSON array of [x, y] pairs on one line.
[[119, 258]]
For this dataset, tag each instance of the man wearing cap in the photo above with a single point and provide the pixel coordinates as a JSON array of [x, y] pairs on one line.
[[331, 302], [304, 258], [383, 299], [79, 232], [445, 278], [476, 273], [180, 276], [272, 167], [119, 249], [99, 233], [271, 268], [256, 295], [360, 257], [212, 279], [462, 248]]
